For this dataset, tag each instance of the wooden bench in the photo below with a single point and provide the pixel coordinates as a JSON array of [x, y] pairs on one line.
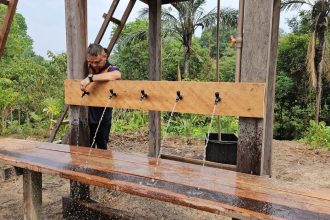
[[213, 190]]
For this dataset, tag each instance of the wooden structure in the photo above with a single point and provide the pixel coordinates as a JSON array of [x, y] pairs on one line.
[[228, 193], [259, 21], [257, 59], [4, 29], [235, 99]]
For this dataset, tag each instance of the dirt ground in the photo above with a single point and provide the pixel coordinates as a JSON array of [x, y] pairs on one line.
[[293, 162]]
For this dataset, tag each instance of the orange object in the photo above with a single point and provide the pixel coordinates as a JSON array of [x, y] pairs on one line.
[[232, 41]]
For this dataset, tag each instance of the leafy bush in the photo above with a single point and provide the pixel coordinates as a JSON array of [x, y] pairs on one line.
[[318, 135]]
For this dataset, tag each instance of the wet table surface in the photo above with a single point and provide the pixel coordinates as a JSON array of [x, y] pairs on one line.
[[210, 189]]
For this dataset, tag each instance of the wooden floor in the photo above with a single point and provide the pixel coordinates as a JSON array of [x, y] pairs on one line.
[[209, 189]]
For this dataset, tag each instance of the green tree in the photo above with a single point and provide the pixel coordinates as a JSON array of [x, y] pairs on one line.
[[318, 18], [292, 94], [186, 18], [190, 15], [8, 97]]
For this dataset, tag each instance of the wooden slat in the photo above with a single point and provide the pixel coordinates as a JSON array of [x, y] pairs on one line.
[[4, 31], [213, 190], [237, 99]]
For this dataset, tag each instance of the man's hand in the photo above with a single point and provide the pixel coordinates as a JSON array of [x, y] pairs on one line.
[[84, 83]]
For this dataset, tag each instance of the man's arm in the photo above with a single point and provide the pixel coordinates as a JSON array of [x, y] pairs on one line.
[[113, 75]]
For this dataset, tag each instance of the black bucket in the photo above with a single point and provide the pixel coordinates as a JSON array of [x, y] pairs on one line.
[[224, 151]]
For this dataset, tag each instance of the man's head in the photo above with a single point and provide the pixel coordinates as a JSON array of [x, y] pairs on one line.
[[96, 56]]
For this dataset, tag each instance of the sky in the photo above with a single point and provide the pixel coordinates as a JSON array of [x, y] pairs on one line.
[[46, 20]]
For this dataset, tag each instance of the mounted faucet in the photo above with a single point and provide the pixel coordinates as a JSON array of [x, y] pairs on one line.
[[217, 98], [84, 93], [143, 95], [179, 97], [112, 94]]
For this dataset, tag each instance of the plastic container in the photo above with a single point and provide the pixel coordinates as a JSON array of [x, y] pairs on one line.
[[224, 151]]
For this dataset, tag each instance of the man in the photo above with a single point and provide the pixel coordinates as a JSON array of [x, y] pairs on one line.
[[99, 70]]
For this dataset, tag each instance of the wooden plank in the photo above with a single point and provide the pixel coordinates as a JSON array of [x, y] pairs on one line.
[[136, 163], [258, 65], [76, 40], [32, 195], [182, 177], [106, 21], [218, 201], [12, 4], [155, 65], [237, 99], [120, 27], [198, 162], [241, 180], [201, 182]]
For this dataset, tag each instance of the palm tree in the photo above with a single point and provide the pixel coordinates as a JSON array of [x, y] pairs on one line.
[[319, 19], [188, 16]]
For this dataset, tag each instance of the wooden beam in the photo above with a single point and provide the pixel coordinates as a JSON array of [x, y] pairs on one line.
[[106, 21], [120, 27], [12, 4], [155, 8], [237, 99], [76, 38], [258, 65], [198, 162], [32, 195]]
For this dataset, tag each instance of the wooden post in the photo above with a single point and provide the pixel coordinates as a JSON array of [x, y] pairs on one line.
[[32, 195], [4, 31], [261, 24], [154, 72], [76, 37]]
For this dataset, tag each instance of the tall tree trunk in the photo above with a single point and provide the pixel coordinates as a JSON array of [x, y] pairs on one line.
[[319, 59], [186, 62]]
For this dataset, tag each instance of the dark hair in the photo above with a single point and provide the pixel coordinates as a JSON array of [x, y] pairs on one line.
[[95, 50]]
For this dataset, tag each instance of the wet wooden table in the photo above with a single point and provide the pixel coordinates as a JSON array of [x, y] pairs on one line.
[[214, 190]]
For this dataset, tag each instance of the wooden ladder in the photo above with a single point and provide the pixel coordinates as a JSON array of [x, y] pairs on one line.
[[108, 17], [4, 31]]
